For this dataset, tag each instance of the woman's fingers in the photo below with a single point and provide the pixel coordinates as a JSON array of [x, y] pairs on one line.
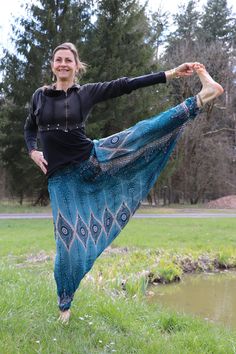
[[38, 158], [187, 69], [43, 168], [44, 161]]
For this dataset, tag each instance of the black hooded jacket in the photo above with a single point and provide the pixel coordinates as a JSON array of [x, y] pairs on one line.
[[58, 117]]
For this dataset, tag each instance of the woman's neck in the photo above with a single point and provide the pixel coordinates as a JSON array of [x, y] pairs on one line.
[[63, 85]]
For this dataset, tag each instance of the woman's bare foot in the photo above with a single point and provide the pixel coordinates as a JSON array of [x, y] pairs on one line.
[[210, 88], [64, 316]]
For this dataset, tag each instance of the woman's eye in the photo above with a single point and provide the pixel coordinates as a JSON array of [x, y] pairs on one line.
[[59, 60]]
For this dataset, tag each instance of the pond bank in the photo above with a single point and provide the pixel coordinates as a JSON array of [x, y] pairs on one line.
[[165, 267], [150, 266]]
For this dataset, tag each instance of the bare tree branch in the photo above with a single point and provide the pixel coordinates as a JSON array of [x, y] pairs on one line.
[[215, 132]]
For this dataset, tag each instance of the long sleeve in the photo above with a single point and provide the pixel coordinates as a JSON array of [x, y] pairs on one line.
[[105, 90], [146, 80], [30, 127]]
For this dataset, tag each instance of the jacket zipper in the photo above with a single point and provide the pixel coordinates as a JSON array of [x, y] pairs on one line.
[[66, 127]]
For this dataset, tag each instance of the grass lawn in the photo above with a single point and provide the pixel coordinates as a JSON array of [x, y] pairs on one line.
[[12, 206], [25, 236], [9, 206], [106, 319]]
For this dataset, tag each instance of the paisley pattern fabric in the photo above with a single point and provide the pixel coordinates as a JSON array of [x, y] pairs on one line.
[[93, 201]]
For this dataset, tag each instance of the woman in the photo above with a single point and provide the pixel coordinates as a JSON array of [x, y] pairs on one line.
[[96, 186]]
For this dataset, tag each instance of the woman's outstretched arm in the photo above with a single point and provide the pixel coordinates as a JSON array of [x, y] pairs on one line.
[[102, 91]]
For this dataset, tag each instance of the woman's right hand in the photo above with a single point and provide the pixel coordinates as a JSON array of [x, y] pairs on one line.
[[38, 158], [183, 70]]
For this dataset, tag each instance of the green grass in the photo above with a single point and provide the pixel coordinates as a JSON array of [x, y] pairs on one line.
[[100, 323], [106, 319], [180, 234], [175, 234], [12, 206], [18, 237]]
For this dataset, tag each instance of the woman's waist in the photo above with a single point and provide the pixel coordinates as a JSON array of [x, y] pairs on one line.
[[65, 127]]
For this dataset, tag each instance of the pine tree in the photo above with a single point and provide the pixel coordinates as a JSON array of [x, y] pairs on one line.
[[120, 45], [216, 23], [187, 21]]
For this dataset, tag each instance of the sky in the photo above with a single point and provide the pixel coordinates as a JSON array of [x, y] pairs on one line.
[[12, 8]]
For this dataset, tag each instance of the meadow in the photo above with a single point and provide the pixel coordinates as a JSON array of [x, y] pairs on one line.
[[110, 312]]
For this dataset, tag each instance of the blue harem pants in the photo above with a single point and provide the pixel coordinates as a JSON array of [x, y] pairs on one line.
[[93, 201]]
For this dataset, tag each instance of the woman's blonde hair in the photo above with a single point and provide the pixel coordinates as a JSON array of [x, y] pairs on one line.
[[82, 67]]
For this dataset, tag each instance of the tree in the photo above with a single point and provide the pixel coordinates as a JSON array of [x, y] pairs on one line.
[[216, 22], [202, 164], [120, 45]]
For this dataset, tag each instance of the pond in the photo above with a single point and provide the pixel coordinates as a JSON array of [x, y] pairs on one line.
[[211, 296]]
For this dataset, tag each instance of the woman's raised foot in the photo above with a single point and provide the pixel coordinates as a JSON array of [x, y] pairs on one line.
[[210, 88]]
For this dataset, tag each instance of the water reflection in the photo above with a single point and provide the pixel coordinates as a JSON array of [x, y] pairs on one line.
[[211, 296]]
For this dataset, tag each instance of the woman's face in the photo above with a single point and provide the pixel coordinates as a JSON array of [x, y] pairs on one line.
[[64, 65]]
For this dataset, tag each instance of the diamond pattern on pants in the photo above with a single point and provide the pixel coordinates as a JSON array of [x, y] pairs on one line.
[[95, 228], [65, 231], [107, 220], [82, 231], [113, 141], [123, 215]]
